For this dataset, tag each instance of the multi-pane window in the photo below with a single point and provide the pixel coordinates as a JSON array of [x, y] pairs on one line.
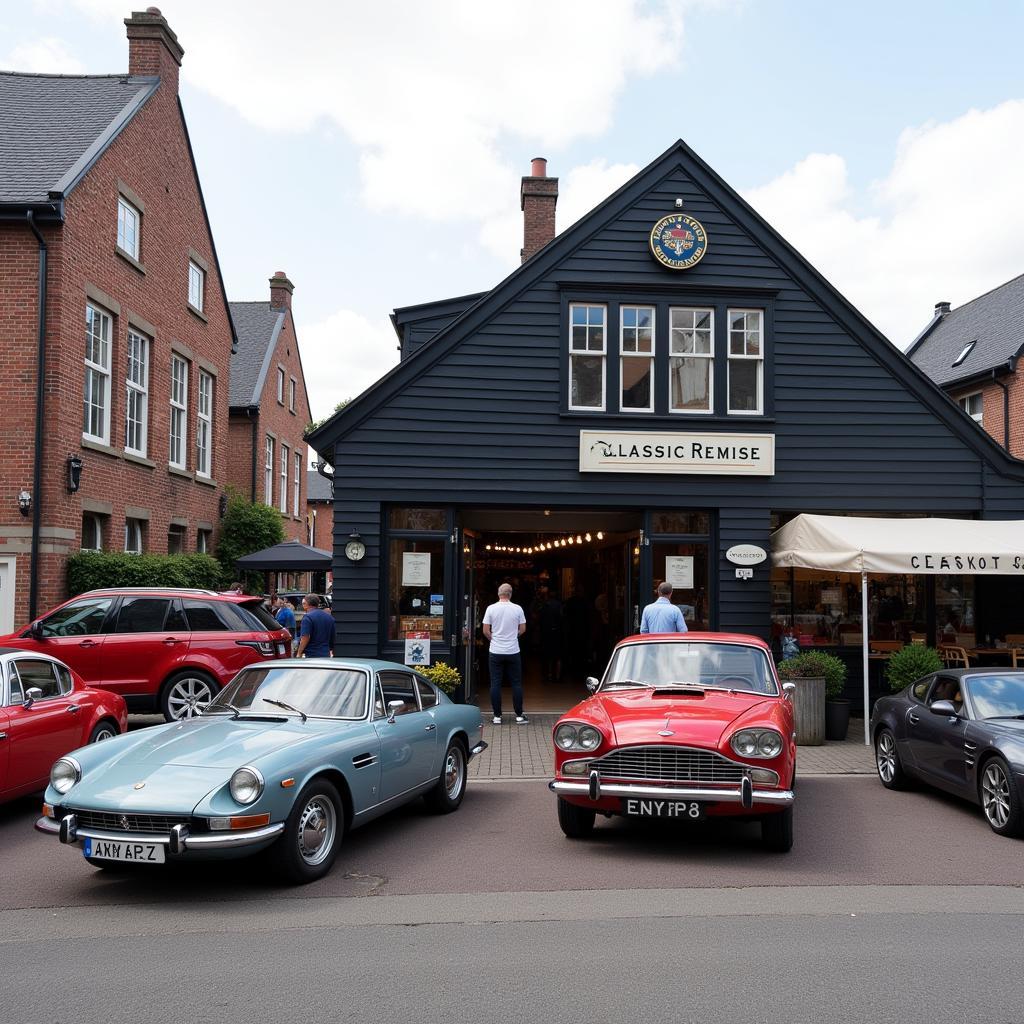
[[268, 473], [196, 285], [92, 532], [128, 222], [133, 536], [283, 496], [96, 397], [291, 394], [175, 539], [179, 411], [973, 405], [746, 360], [636, 347], [296, 484], [587, 356], [280, 385], [204, 424], [691, 359], [136, 410]]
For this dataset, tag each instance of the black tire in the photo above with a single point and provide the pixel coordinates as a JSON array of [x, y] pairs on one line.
[[186, 694], [1000, 800], [317, 809], [890, 768], [576, 822], [105, 730], [777, 831], [450, 787]]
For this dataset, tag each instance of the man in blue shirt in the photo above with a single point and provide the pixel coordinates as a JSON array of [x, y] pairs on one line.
[[662, 616], [285, 615], [316, 634]]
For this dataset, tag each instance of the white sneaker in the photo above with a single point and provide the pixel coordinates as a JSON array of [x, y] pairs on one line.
[[522, 720], [496, 719]]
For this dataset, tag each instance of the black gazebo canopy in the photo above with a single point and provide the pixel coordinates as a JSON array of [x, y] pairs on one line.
[[290, 556]]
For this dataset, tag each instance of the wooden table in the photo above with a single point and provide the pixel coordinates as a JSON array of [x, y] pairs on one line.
[[1013, 653]]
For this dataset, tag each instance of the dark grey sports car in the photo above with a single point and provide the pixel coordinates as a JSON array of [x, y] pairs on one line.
[[961, 730]]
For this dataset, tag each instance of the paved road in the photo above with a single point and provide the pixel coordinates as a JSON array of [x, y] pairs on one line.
[[894, 905]]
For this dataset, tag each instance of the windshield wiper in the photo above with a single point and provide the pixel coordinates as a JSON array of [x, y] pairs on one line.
[[225, 704], [627, 682], [1015, 717], [287, 707]]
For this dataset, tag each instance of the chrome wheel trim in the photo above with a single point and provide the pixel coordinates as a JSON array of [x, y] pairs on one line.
[[106, 733], [189, 697], [318, 825], [454, 772], [995, 795], [885, 756]]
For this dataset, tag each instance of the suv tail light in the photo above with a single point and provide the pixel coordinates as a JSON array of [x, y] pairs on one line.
[[265, 647]]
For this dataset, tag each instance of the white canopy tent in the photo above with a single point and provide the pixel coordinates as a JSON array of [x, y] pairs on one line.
[[903, 546]]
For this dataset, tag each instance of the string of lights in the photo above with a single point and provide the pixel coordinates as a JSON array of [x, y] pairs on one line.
[[570, 540]]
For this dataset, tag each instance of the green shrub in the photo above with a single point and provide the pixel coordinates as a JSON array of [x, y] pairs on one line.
[[91, 570], [910, 663], [444, 676], [247, 526], [816, 665]]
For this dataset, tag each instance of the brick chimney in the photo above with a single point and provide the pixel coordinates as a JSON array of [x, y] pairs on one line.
[[281, 291], [941, 308], [537, 199], [153, 49]]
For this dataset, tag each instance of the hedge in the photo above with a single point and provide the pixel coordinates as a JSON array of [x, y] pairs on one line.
[[92, 570]]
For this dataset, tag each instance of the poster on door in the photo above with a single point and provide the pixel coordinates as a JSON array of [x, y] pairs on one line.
[[417, 648], [679, 571], [415, 568]]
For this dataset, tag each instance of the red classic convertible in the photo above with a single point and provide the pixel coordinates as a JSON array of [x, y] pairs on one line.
[[683, 725]]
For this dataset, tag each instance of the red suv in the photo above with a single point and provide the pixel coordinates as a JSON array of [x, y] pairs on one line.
[[161, 649]]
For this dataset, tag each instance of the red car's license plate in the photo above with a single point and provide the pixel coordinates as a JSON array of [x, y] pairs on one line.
[[690, 810]]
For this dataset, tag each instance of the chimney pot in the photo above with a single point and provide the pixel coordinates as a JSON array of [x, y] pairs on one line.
[[941, 308], [153, 10], [538, 197], [538, 167]]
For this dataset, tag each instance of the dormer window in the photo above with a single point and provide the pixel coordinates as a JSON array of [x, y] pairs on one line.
[[965, 352]]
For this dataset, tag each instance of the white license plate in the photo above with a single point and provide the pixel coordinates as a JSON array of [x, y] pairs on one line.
[[110, 849], [688, 810]]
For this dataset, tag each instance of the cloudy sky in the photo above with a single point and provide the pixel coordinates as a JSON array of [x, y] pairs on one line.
[[373, 151]]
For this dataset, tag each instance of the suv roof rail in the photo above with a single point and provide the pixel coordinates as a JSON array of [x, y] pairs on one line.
[[148, 590]]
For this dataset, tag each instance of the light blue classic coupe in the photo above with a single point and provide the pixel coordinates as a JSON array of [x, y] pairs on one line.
[[286, 758]]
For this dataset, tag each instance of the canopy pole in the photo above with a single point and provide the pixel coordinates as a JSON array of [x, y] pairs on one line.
[[864, 643]]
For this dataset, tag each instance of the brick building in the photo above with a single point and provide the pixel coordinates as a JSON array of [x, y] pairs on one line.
[[973, 353], [319, 511], [269, 408], [109, 279]]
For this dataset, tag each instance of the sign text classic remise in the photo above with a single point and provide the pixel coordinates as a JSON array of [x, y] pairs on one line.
[[723, 454]]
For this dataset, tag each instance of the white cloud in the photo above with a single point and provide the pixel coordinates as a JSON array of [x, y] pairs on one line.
[[47, 54], [343, 355], [944, 223]]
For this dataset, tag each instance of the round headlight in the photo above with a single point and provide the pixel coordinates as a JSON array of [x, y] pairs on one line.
[[769, 744], [64, 774], [565, 736], [745, 744], [588, 738], [246, 785]]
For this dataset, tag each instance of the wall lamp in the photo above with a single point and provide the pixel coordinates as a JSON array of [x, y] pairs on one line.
[[74, 473], [24, 503], [222, 505]]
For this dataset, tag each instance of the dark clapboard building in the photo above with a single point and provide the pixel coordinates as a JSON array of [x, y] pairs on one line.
[[664, 381]]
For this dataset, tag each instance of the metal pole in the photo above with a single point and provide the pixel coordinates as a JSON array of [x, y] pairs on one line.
[[37, 468], [864, 642]]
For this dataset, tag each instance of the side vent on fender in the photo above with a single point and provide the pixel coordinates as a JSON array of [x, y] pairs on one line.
[[364, 760]]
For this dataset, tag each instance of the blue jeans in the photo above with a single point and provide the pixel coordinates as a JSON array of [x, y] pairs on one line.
[[502, 667]]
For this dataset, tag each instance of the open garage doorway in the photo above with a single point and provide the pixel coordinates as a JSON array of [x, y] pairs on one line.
[[577, 577]]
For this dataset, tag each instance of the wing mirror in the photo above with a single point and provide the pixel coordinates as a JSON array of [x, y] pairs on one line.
[[394, 706], [36, 630], [788, 689], [593, 684], [32, 694], [944, 707]]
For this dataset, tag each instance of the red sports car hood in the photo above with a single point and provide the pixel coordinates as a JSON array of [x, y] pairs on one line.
[[637, 716]]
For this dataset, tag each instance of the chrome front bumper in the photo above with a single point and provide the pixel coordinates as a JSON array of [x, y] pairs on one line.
[[178, 842], [478, 749], [596, 789]]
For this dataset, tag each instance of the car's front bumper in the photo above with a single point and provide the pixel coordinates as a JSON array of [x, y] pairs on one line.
[[179, 842], [745, 795], [479, 748]]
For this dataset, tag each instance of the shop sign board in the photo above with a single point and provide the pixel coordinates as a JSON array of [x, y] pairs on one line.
[[721, 454], [746, 554], [679, 571], [415, 568]]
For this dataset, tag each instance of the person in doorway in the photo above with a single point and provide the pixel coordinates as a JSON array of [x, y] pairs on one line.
[[285, 615], [316, 634], [504, 623], [662, 616]]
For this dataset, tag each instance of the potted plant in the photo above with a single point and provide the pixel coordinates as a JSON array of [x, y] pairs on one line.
[[819, 679], [910, 663], [444, 676]]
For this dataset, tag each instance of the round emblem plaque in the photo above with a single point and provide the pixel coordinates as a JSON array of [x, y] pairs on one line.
[[678, 241]]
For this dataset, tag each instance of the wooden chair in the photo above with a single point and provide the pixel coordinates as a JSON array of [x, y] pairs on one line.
[[1015, 639], [966, 640], [953, 656]]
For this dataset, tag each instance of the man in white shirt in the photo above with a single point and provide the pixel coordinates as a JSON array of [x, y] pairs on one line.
[[504, 624]]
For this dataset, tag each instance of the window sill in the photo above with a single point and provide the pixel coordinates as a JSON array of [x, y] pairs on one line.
[[206, 481], [139, 460], [691, 418], [130, 259], [99, 446], [198, 313], [183, 473]]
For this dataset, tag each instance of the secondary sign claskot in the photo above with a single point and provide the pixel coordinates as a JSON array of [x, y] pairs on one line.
[[722, 454]]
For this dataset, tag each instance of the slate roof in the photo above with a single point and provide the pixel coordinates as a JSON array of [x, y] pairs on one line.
[[318, 488], [54, 126], [993, 321], [257, 326]]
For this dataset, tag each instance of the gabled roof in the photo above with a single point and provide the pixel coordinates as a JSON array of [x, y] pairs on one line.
[[994, 322], [56, 126], [743, 214], [406, 315], [318, 488], [258, 327]]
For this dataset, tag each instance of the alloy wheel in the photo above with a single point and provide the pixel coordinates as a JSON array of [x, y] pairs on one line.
[[105, 732], [189, 697], [454, 772], [318, 826], [995, 796], [885, 756]]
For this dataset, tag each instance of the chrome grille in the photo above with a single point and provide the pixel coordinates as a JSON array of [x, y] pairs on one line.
[[150, 824], [668, 764]]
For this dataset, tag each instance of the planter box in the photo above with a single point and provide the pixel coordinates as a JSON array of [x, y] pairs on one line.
[[837, 719], [809, 711]]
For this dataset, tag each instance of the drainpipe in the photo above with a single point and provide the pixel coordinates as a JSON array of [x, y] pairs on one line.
[[1006, 409], [37, 471], [253, 412]]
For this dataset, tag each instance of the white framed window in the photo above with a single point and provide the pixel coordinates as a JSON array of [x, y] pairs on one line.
[[280, 385], [636, 349], [973, 405], [283, 496], [268, 473], [587, 347], [291, 394], [691, 360], [133, 536], [196, 286], [92, 531], [297, 484], [96, 396], [204, 424], [179, 412], [129, 223], [136, 406], [204, 542], [746, 360]]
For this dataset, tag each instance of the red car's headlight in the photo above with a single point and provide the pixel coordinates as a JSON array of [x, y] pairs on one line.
[[765, 743], [571, 736]]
